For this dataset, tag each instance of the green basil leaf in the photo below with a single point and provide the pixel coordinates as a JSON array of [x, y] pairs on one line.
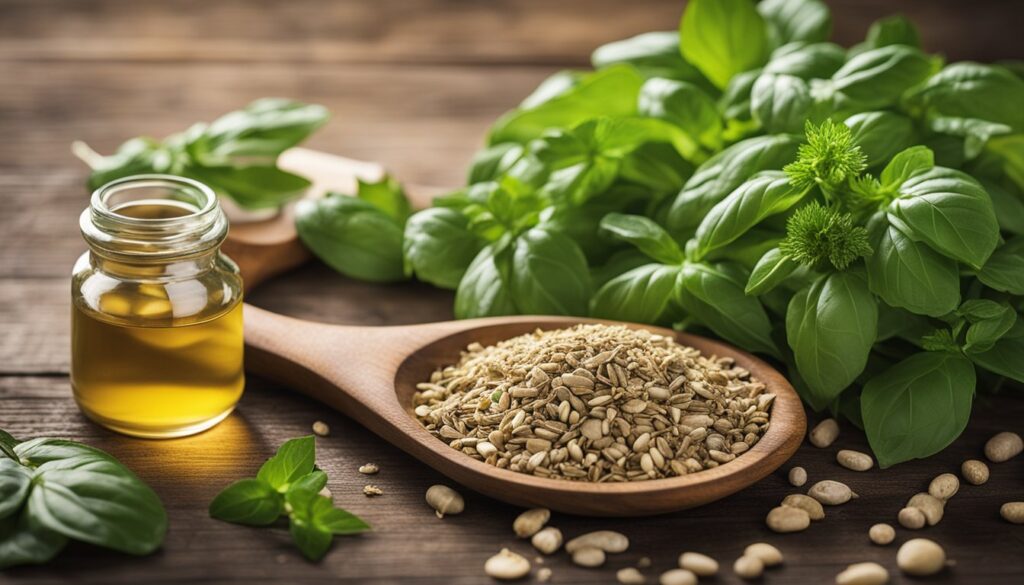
[[917, 407], [906, 164], [85, 494], [494, 161], [653, 54], [15, 481], [950, 212], [7, 443], [831, 326], [311, 540], [713, 295], [263, 129], [252, 502], [386, 195], [639, 295], [649, 237], [686, 106], [1008, 203], [761, 196], [723, 173], [723, 38], [908, 274], [335, 520], [352, 236], [438, 246], [770, 270], [24, 541], [806, 61], [619, 263], [314, 520], [138, 156], [1004, 270], [313, 482], [484, 290], [609, 92], [878, 77], [880, 135], [549, 274], [984, 333], [796, 20], [1004, 357], [781, 103], [893, 30], [735, 101], [555, 85], [257, 187], [972, 91], [658, 167], [293, 460]]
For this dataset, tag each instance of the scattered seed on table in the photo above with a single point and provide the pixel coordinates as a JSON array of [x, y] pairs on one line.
[[368, 468], [831, 493], [931, 506], [630, 576], [974, 471], [700, 565], [547, 540], [643, 562], [748, 567], [808, 504], [677, 577], [445, 500], [921, 557], [855, 460], [529, 522], [321, 429], [882, 534], [588, 556], [1012, 512], [768, 554], [507, 566], [606, 540], [543, 575], [863, 574], [944, 486], [824, 433], [911, 518], [1003, 447], [797, 476], [788, 519], [372, 490]]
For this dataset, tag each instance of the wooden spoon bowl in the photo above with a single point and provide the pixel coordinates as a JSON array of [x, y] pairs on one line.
[[370, 374]]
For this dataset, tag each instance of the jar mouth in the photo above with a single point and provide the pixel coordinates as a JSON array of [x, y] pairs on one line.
[[155, 216]]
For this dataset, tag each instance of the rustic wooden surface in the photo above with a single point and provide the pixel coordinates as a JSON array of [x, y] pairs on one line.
[[414, 86]]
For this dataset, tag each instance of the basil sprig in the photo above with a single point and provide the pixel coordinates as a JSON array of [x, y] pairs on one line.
[[52, 490], [289, 484]]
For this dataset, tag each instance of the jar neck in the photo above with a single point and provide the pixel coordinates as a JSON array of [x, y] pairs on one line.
[[153, 226]]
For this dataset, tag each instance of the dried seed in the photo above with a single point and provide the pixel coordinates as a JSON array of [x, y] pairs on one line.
[[445, 500], [643, 562], [529, 522], [944, 486], [748, 567], [824, 433], [321, 429], [486, 449], [930, 506], [588, 556], [507, 566], [797, 476], [677, 577], [855, 460], [700, 565], [788, 519], [630, 576], [806, 503], [863, 574], [831, 493], [543, 575], [882, 534], [547, 540], [372, 491], [920, 557], [606, 540], [974, 471], [1003, 447], [911, 518], [768, 554], [368, 468], [1012, 512]]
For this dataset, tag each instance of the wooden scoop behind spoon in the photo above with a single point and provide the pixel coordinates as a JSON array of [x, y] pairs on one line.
[[370, 374]]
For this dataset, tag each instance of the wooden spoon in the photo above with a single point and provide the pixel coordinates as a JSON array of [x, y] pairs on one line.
[[370, 374]]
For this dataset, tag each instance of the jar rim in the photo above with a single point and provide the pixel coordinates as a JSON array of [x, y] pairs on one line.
[[102, 195]]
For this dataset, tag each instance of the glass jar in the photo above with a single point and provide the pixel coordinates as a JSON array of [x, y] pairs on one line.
[[156, 327]]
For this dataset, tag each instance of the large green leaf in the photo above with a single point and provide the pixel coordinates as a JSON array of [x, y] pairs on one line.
[[653, 54], [713, 296], [649, 237], [549, 275], [484, 289], [796, 20], [25, 541], [761, 196], [686, 106], [877, 78], [1004, 357], [723, 38], [781, 103], [880, 135], [438, 246], [1004, 270], [639, 295], [15, 480], [972, 91]]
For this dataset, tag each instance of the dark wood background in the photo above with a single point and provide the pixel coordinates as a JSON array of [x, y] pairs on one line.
[[412, 84]]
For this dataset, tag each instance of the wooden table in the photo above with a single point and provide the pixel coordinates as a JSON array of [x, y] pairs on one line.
[[413, 85]]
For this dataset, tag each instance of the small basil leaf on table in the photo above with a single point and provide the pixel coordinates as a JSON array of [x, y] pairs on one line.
[[880, 135], [252, 502], [336, 520], [796, 20], [15, 481], [769, 271], [84, 494], [639, 295], [649, 237], [806, 61], [484, 290], [438, 246], [24, 541], [549, 274], [1004, 270], [910, 274], [713, 295], [831, 326], [311, 540], [293, 460], [314, 481], [1004, 356], [781, 103], [314, 520], [761, 196], [949, 211], [352, 236], [917, 407], [723, 38]]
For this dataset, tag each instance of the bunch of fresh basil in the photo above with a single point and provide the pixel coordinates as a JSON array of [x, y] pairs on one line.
[[53, 490], [289, 484], [858, 214], [235, 154]]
